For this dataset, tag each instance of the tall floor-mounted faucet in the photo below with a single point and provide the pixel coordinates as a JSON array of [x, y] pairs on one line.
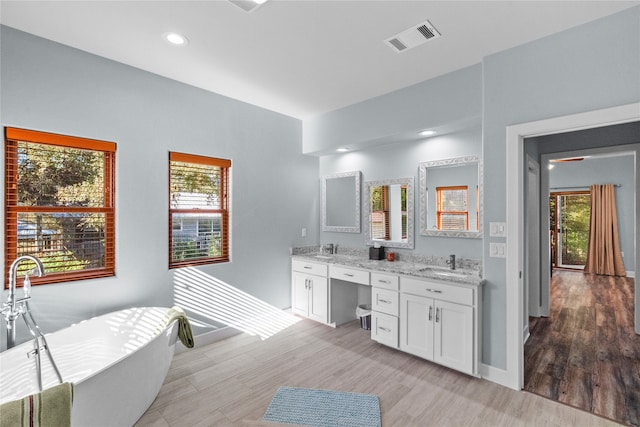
[[14, 307]]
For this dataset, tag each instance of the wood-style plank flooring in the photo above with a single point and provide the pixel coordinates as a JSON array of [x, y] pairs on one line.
[[231, 383], [586, 353]]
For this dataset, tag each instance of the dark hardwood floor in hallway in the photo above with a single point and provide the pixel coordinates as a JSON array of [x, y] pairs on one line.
[[586, 353]]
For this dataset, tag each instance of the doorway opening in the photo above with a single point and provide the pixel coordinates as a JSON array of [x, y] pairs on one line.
[[569, 213], [515, 263]]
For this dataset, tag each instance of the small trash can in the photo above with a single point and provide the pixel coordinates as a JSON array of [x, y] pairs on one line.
[[364, 313]]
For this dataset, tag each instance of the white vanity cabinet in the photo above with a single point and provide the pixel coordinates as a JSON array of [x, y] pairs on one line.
[[310, 290], [439, 322], [384, 308], [436, 319]]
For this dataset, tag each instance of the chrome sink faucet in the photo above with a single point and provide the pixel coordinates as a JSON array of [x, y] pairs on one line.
[[451, 262], [13, 307]]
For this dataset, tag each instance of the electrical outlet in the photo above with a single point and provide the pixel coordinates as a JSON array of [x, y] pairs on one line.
[[497, 229], [497, 250], [304, 232]]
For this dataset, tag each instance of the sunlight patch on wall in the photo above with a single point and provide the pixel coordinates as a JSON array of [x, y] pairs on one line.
[[204, 295]]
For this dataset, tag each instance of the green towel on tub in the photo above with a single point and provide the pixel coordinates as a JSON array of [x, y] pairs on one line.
[[184, 327], [50, 408]]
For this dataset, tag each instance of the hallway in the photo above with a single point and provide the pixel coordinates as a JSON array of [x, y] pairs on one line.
[[586, 353]]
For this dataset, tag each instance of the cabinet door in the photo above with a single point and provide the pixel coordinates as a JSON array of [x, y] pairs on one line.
[[318, 299], [416, 325], [453, 345], [300, 294]]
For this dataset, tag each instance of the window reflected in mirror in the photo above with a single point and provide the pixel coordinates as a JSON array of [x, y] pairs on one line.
[[451, 197], [390, 213], [383, 225]]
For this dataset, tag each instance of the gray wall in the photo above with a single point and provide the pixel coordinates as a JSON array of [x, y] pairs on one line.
[[452, 101], [49, 87]]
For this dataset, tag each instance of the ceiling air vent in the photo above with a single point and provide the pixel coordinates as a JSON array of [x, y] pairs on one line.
[[412, 37]]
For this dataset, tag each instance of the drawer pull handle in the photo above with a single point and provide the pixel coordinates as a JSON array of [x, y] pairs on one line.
[[348, 274], [437, 291], [384, 301], [308, 267], [384, 281], [384, 329]]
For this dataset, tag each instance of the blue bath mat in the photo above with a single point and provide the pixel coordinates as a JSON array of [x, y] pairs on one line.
[[323, 408]]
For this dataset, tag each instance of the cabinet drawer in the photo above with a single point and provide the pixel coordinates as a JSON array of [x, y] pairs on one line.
[[384, 329], [386, 281], [441, 291], [349, 274], [309, 267], [385, 301]]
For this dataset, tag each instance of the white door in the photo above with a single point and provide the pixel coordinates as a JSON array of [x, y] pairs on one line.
[[416, 325], [532, 278], [453, 337], [319, 301], [300, 297]]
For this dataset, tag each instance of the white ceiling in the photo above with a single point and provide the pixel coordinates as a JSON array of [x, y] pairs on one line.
[[300, 58]]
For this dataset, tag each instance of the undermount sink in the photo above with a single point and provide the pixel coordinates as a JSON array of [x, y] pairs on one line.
[[450, 274], [444, 273]]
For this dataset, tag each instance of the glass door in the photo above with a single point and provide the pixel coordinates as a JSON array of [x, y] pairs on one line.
[[569, 214]]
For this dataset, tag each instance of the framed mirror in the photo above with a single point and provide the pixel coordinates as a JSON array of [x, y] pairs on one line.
[[451, 197], [341, 202], [389, 220]]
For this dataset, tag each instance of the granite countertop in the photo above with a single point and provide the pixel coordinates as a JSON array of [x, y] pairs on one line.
[[407, 268]]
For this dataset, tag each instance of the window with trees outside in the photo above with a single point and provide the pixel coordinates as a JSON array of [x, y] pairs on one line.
[[59, 204], [453, 210], [198, 210]]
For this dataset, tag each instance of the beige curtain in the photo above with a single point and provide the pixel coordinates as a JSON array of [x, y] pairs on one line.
[[603, 253]]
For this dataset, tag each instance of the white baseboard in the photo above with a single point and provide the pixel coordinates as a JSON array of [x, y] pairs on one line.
[[496, 375], [525, 334], [209, 338], [631, 274]]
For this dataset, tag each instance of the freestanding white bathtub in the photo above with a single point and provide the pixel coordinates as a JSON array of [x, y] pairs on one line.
[[117, 363]]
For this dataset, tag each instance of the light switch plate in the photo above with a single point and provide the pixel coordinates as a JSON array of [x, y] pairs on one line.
[[497, 229], [497, 250]]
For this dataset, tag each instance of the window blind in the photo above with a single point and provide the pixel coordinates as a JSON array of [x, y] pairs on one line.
[[452, 212], [198, 210], [59, 204]]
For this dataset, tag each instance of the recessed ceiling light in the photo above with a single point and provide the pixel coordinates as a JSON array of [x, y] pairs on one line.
[[342, 149], [248, 5], [427, 132], [175, 39]]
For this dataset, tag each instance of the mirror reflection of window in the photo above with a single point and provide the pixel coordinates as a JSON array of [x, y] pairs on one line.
[[380, 229], [453, 208], [389, 212]]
